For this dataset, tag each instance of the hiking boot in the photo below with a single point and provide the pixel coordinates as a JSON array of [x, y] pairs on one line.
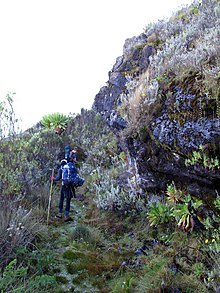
[[59, 216], [67, 219]]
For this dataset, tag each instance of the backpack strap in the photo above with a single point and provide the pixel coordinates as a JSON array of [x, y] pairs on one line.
[[68, 171]]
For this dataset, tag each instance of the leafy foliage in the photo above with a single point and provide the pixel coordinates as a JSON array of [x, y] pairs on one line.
[[159, 213], [116, 216], [12, 274], [56, 121], [200, 157], [174, 195], [15, 279], [27, 160]]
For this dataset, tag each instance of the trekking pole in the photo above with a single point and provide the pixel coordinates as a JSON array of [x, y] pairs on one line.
[[50, 196]]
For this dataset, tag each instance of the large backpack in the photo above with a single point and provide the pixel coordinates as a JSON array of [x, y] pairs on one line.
[[70, 176]]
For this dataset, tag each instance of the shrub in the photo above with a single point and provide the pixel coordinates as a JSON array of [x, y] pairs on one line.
[[27, 161], [8, 121], [112, 198], [83, 233], [158, 276], [12, 277], [15, 279], [17, 228], [188, 42]]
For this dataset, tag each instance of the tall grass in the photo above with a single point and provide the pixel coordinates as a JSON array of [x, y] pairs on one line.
[[18, 228]]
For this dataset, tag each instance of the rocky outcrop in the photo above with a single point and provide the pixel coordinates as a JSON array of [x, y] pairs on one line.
[[163, 148], [134, 60], [159, 164], [180, 146]]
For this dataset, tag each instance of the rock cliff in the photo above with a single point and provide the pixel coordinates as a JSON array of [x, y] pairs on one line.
[[175, 135]]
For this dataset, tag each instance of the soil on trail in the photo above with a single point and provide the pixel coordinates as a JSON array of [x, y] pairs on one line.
[[66, 251]]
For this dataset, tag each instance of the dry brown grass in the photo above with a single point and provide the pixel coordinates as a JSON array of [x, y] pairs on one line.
[[17, 228], [141, 102]]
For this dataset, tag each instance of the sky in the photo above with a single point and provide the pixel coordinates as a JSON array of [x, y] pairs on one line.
[[55, 55]]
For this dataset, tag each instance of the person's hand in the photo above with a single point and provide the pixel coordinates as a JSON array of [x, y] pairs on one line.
[[52, 177]]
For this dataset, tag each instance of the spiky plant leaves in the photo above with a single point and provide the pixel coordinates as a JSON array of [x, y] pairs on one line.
[[56, 121]]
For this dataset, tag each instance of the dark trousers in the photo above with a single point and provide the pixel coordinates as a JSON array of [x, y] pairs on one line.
[[66, 193]]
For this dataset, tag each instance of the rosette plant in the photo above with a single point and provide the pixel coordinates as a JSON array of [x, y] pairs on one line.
[[56, 121]]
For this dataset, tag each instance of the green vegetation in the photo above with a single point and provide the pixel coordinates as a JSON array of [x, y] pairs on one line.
[[123, 238], [186, 55], [56, 121], [98, 252], [159, 213], [200, 157]]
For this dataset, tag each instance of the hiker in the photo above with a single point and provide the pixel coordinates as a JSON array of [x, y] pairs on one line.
[[67, 150], [67, 191], [74, 152]]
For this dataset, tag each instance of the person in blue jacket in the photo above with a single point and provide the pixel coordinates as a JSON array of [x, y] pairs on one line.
[[67, 192]]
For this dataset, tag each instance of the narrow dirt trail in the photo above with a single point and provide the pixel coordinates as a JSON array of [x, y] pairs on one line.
[[68, 277]]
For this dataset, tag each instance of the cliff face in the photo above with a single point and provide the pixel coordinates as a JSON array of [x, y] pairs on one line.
[[135, 59], [162, 100]]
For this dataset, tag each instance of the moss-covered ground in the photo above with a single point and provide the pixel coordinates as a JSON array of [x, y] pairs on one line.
[[101, 252]]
